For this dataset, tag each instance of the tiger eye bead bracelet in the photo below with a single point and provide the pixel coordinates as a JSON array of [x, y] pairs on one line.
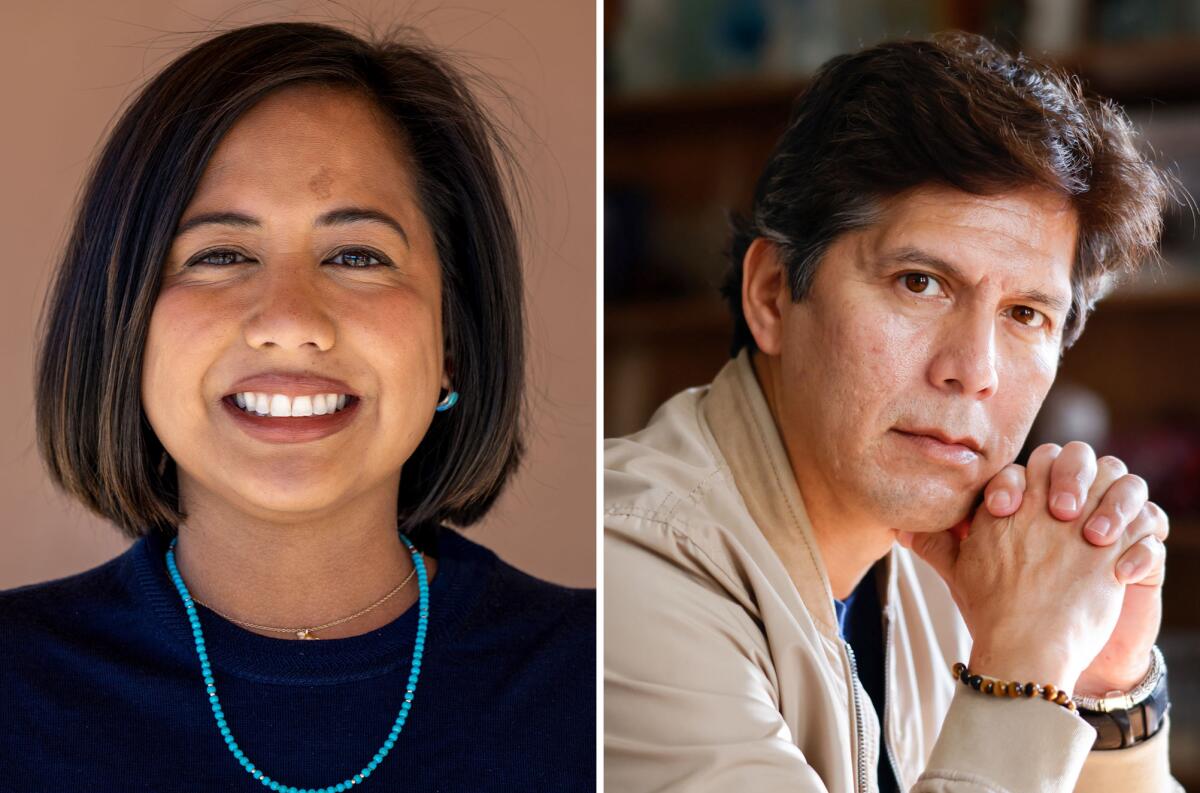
[[1005, 688]]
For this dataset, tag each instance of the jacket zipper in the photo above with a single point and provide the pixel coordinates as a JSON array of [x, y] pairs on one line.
[[860, 754], [887, 648]]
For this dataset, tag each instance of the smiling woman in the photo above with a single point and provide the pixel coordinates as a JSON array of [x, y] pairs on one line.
[[284, 348]]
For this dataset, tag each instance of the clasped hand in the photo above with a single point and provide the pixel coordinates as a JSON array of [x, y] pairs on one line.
[[1059, 574]]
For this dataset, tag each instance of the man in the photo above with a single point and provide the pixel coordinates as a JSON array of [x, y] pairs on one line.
[[797, 554]]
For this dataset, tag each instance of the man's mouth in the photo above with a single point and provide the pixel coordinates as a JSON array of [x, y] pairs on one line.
[[942, 436], [944, 451]]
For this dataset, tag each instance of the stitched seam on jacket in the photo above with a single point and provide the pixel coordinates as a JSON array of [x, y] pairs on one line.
[[664, 506], [947, 775], [731, 582]]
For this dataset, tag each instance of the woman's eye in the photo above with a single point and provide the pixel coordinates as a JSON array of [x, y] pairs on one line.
[[226, 257], [357, 258], [354, 258], [922, 284], [1027, 316]]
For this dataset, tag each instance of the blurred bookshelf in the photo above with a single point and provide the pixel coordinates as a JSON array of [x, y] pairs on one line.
[[685, 141]]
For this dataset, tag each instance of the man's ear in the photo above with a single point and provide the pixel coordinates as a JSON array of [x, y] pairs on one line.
[[764, 288]]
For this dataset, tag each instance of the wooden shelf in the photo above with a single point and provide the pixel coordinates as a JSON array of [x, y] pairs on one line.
[[1140, 71], [682, 106], [689, 315], [1131, 73]]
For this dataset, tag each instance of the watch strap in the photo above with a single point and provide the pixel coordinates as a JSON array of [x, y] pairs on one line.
[[1120, 729]]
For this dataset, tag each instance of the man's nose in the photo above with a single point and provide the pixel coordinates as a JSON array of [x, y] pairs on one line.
[[965, 359]]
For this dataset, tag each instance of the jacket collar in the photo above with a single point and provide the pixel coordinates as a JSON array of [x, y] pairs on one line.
[[744, 429]]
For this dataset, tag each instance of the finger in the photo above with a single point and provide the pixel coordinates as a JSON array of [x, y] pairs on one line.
[[1161, 522], [1037, 475], [1071, 476], [1120, 505], [1109, 469], [1004, 492], [938, 548], [1143, 563]]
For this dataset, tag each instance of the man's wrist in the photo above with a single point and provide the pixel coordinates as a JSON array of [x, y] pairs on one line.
[[1095, 686], [1122, 697], [1039, 665], [1135, 716]]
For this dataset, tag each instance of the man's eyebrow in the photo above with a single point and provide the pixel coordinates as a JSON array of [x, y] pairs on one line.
[[334, 217], [926, 259]]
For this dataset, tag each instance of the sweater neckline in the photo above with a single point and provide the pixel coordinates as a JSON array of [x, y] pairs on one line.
[[234, 650]]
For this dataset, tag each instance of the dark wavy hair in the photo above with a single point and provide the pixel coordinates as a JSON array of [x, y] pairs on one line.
[[956, 111], [93, 434]]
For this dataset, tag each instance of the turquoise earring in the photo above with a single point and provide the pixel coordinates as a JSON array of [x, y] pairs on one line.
[[447, 402]]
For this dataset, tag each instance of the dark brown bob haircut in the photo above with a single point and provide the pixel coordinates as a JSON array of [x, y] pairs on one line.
[[960, 112], [92, 431]]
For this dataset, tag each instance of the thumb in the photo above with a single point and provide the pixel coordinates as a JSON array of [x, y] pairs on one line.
[[939, 549]]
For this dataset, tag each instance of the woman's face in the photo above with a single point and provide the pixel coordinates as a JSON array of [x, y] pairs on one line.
[[290, 289]]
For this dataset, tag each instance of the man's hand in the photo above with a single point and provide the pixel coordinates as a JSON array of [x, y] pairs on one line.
[[1125, 507]]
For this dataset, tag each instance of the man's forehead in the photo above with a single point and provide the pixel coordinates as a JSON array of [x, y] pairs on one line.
[[1025, 215]]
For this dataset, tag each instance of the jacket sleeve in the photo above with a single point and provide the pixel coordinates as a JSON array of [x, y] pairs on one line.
[[987, 745], [1142, 768], [688, 704]]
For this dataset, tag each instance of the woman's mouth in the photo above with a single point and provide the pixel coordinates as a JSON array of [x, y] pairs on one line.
[[277, 418]]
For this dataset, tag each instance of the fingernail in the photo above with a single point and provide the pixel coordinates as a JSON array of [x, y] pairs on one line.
[[999, 501], [1126, 569], [1064, 502], [1098, 526]]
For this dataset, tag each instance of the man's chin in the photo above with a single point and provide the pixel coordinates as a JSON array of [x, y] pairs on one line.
[[925, 508]]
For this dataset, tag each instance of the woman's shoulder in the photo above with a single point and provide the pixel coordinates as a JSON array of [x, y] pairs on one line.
[[54, 627], [513, 606], [102, 586]]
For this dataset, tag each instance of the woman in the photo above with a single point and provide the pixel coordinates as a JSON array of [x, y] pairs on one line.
[[284, 346]]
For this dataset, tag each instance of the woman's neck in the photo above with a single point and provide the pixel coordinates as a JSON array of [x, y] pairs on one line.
[[300, 574]]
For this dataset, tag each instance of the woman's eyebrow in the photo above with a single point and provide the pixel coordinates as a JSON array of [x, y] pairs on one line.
[[334, 217]]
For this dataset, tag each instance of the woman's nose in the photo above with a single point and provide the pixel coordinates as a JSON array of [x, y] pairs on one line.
[[290, 309]]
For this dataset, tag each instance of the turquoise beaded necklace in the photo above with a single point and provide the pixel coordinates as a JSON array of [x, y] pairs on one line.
[[211, 686]]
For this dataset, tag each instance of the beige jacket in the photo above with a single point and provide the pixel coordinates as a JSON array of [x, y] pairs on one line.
[[724, 668]]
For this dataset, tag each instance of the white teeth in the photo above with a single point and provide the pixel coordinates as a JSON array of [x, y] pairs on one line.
[[279, 405]]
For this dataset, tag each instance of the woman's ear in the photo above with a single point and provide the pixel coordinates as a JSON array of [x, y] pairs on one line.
[[764, 286]]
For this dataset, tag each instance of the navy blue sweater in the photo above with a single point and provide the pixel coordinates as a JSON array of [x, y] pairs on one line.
[[100, 687]]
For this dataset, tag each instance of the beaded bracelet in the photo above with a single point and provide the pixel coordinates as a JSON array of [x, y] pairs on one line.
[[1004, 688]]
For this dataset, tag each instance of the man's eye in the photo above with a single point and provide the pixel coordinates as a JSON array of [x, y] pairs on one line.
[[922, 284], [1030, 317]]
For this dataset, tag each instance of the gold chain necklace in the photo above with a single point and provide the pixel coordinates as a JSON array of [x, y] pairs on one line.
[[306, 633]]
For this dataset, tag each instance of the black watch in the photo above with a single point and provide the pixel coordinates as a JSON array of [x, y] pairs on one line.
[[1120, 729]]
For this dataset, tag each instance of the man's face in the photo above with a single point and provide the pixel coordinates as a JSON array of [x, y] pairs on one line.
[[944, 318]]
